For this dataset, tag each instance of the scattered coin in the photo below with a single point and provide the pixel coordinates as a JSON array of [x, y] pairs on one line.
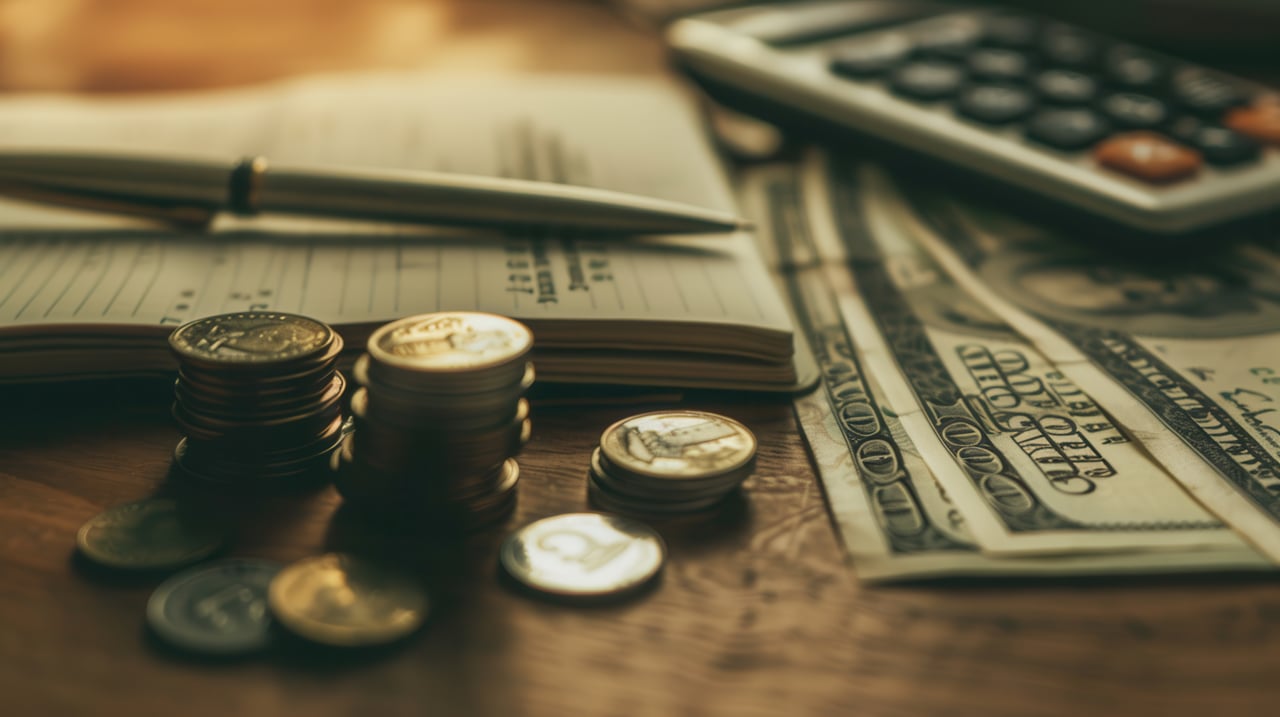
[[344, 601], [215, 609], [152, 534], [584, 555]]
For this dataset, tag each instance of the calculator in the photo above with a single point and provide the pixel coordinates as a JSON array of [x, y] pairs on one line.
[[1099, 126]]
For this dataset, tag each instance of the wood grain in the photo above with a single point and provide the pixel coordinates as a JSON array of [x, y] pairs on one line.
[[757, 613]]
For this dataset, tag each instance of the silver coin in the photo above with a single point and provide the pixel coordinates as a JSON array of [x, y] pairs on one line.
[[450, 342], [584, 555], [215, 609], [678, 445]]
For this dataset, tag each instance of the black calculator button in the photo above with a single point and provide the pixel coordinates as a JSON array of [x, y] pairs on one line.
[[1068, 129], [993, 63], [1218, 145], [1068, 47], [1223, 147], [1131, 110], [1014, 31], [1134, 69], [995, 104], [950, 39], [1205, 93], [871, 57], [1066, 87], [927, 80]]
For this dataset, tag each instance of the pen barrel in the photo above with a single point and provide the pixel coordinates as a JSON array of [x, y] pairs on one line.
[[138, 180], [438, 198]]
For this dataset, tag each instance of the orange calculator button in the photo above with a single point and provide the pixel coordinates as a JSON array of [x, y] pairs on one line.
[[1259, 121], [1148, 156]]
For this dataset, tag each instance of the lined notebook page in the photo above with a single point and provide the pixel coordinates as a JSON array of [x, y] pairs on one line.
[[93, 273]]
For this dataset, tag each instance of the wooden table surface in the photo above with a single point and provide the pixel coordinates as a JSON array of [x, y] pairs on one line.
[[757, 613]]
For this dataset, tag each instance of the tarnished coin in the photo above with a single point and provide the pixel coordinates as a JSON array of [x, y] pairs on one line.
[[153, 534], [337, 599], [249, 338], [678, 445], [455, 341], [215, 609], [583, 555]]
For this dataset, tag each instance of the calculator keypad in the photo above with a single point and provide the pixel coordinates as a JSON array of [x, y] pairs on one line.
[[1064, 88]]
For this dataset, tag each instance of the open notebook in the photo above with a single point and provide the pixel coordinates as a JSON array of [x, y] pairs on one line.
[[88, 295]]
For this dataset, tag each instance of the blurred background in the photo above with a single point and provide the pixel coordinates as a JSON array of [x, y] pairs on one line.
[[138, 45]]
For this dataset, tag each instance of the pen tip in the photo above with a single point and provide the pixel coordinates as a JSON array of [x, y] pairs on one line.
[[746, 225]]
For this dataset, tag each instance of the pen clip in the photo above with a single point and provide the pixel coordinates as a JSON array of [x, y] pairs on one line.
[[187, 216]]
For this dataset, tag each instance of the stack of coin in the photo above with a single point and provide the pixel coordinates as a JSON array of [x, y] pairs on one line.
[[670, 462], [259, 399], [438, 419]]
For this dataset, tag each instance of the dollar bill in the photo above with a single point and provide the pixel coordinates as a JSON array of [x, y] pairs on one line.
[[1031, 459], [1180, 344], [895, 520]]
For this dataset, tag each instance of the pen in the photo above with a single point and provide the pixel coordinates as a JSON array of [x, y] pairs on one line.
[[192, 191]]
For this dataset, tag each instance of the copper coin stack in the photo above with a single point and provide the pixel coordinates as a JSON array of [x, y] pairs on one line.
[[438, 418], [259, 399]]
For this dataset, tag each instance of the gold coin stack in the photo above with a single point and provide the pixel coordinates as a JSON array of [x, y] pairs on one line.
[[259, 399], [670, 462], [438, 418]]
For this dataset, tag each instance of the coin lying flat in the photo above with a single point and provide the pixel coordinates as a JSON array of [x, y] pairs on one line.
[[153, 534], [583, 555], [677, 446], [340, 600], [215, 609], [249, 338]]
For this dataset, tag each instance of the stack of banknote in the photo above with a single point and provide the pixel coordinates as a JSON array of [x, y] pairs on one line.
[[1003, 398]]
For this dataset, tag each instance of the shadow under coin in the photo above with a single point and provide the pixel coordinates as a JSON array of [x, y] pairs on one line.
[[708, 530], [296, 653]]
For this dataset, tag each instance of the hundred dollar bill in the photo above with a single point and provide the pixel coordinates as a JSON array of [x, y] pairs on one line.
[[896, 522], [1031, 459], [1185, 352]]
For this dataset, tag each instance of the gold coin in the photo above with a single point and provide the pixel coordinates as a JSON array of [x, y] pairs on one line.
[[456, 341], [152, 534], [249, 338], [678, 445], [583, 555], [337, 599]]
